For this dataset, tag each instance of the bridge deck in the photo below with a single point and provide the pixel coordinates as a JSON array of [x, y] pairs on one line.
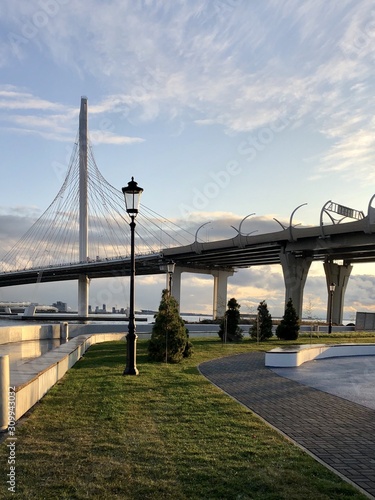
[[351, 242]]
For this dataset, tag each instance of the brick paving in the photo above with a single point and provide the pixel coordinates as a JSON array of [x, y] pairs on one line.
[[339, 433]]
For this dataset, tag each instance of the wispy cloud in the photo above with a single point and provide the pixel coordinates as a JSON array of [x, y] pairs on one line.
[[53, 121], [190, 56], [107, 137], [12, 98], [236, 65]]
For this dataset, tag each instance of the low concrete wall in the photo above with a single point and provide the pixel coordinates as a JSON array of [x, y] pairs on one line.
[[284, 357], [33, 379], [59, 330], [29, 332], [141, 328]]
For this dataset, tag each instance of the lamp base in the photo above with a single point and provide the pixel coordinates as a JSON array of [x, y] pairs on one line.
[[131, 371]]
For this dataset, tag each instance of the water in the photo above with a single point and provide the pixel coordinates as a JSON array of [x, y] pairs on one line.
[[20, 352]]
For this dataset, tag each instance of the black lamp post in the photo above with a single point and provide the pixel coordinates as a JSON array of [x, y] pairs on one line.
[[332, 287], [170, 270], [132, 194]]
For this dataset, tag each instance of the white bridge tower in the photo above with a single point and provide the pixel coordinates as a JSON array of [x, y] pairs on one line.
[[83, 281]]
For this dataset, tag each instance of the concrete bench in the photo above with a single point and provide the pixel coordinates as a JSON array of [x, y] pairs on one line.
[[291, 356]]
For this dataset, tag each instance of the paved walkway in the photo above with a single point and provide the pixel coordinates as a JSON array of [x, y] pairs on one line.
[[339, 433]]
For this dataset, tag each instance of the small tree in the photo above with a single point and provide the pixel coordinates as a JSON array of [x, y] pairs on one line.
[[288, 329], [170, 338], [229, 330], [263, 324]]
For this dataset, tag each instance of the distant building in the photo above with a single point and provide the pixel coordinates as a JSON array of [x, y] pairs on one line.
[[61, 306], [103, 310]]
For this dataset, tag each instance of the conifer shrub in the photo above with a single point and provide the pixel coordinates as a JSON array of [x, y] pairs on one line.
[[229, 330], [262, 327], [288, 329], [169, 338]]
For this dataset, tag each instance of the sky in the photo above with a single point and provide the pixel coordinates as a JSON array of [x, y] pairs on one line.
[[219, 109]]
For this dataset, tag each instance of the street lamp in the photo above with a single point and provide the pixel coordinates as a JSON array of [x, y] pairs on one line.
[[169, 268], [332, 287], [132, 194]]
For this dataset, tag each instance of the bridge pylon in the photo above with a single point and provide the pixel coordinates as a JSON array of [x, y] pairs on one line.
[[83, 282]]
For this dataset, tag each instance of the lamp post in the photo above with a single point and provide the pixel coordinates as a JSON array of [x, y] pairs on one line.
[[332, 287], [132, 194], [169, 268]]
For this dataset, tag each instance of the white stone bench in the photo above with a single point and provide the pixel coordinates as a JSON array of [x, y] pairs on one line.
[[296, 355]]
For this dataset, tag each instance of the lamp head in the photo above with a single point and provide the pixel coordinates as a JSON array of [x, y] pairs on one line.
[[132, 194], [170, 267], [167, 267]]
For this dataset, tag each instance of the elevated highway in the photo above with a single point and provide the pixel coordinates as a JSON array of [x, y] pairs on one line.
[[338, 246], [351, 242]]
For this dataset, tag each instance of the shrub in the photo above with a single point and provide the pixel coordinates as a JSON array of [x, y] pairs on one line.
[[262, 326], [288, 329], [229, 330], [170, 338]]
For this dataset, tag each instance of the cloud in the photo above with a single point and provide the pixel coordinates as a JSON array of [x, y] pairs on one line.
[[53, 121], [12, 98], [13, 226], [107, 137], [194, 62], [22, 112]]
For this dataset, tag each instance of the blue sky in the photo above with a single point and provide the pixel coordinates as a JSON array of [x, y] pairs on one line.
[[275, 97]]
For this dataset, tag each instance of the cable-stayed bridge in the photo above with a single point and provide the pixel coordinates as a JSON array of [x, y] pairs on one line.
[[84, 234], [54, 239], [52, 244]]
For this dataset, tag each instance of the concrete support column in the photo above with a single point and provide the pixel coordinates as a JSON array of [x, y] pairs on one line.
[[176, 284], [220, 292], [83, 295], [295, 270], [339, 275]]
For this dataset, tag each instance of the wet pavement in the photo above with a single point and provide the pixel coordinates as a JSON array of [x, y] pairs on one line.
[[21, 352], [336, 430], [351, 378]]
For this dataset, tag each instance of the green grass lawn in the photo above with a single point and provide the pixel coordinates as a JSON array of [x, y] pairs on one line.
[[166, 434]]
